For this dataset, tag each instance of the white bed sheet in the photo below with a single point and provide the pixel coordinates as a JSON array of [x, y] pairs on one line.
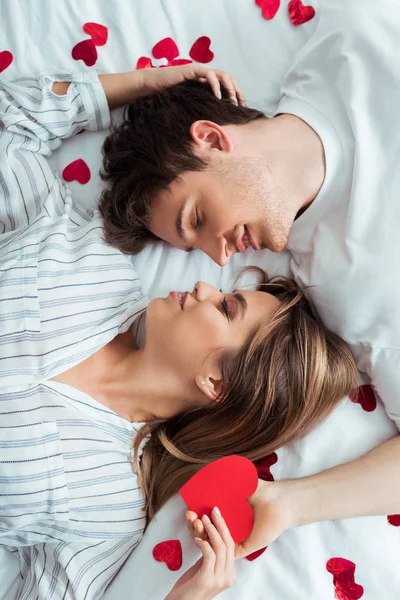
[[41, 34]]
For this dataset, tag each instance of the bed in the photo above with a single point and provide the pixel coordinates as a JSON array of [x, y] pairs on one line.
[[256, 42]]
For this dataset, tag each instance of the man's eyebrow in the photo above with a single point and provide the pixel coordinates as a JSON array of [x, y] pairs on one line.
[[242, 301], [178, 222], [179, 227]]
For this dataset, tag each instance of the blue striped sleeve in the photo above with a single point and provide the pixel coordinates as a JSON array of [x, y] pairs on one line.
[[33, 123]]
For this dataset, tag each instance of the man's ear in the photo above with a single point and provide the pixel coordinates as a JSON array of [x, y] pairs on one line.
[[208, 135], [210, 386]]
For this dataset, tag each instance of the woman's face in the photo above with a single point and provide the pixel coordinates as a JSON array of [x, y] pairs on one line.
[[189, 330]]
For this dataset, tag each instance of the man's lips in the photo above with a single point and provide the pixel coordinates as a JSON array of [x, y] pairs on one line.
[[241, 245]]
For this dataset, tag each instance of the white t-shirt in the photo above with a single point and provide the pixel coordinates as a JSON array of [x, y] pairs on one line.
[[345, 83]]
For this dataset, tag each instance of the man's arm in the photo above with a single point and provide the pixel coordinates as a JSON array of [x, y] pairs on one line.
[[369, 485]]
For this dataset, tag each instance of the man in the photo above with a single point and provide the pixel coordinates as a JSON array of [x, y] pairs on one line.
[[321, 179]]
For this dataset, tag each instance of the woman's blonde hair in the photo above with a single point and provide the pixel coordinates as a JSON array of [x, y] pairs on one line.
[[286, 378]]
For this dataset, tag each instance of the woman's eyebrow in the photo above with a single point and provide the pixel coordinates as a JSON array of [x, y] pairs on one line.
[[242, 302]]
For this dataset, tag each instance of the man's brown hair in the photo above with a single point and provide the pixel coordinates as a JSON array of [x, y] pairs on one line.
[[150, 149]]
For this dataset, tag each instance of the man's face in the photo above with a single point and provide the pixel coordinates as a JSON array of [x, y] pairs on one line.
[[229, 206]]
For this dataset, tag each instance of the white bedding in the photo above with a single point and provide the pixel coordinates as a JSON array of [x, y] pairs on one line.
[[41, 34]]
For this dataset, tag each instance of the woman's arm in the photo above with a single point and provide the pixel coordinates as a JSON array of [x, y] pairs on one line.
[[123, 88], [369, 485]]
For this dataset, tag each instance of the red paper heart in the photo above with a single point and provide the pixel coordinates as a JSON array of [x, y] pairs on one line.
[[85, 51], [394, 520], [166, 48], [179, 61], [144, 62], [77, 171], [299, 13], [269, 8], [6, 59], [200, 51], [225, 483], [169, 552], [98, 33], [343, 571], [366, 397]]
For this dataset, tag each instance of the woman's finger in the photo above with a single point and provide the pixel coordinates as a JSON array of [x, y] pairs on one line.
[[199, 529], [208, 566], [225, 534], [227, 82], [213, 82], [239, 93], [217, 544]]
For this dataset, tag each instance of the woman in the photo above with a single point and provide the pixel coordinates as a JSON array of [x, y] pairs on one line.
[[242, 372]]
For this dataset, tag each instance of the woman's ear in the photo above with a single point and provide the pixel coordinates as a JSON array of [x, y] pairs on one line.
[[208, 135], [210, 386]]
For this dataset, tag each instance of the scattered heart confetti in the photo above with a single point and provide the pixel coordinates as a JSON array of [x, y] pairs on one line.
[[269, 8], [179, 61], [144, 62], [343, 571], [165, 48], [256, 554], [86, 51], [394, 520], [77, 171], [263, 466], [170, 553], [98, 33], [365, 397], [226, 483], [6, 59], [200, 51], [299, 13]]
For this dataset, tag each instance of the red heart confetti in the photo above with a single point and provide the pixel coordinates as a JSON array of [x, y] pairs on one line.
[[226, 483], [200, 51], [269, 8], [98, 33], [77, 171], [179, 61], [256, 554], [6, 59], [170, 553], [343, 571], [365, 397], [263, 466], [299, 13], [394, 520], [144, 62], [85, 51], [166, 48]]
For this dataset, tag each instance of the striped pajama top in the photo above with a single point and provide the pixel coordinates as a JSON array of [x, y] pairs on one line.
[[70, 504]]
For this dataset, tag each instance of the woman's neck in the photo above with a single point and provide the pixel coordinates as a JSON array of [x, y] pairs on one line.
[[131, 384]]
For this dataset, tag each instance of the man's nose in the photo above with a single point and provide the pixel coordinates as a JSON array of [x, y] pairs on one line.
[[222, 252]]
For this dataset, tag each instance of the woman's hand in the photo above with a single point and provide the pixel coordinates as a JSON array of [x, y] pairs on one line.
[[155, 80], [271, 518], [214, 571]]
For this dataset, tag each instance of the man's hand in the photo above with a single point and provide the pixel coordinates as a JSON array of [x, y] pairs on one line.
[[271, 518]]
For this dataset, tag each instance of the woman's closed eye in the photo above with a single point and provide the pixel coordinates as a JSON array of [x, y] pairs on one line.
[[227, 309]]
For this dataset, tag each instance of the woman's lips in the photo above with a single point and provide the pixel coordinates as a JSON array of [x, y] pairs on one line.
[[180, 298]]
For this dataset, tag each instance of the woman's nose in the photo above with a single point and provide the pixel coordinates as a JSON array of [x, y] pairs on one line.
[[203, 291]]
